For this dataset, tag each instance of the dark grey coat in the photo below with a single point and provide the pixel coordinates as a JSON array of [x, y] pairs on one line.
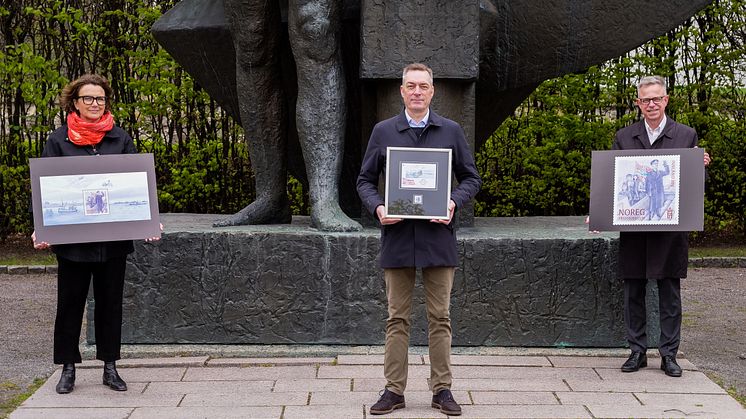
[[116, 141], [417, 243], [659, 254]]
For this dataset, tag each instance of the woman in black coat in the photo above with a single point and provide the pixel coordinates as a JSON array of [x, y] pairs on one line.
[[89, 130]]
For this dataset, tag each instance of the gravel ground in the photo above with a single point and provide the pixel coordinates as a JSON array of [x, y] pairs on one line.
[[713, 335], [27, 306]]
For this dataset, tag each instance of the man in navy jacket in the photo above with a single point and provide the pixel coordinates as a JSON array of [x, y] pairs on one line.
[[408, 244]]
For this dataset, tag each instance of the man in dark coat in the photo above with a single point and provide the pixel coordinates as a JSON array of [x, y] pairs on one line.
[[408, 244], [661, 256]]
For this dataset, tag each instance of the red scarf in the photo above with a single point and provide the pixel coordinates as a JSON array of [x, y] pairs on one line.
[[83, 133]]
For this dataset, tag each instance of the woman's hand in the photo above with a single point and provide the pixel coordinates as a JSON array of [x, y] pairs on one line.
[[153, 239], [40, 245]]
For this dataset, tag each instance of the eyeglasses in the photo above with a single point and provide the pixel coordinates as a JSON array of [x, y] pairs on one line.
[[88, 100], [646, 101]]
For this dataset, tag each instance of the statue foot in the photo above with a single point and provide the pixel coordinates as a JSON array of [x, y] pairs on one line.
[[332, 218], [262, 211]]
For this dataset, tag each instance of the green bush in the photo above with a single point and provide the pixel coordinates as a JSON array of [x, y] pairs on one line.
[[15, 193]]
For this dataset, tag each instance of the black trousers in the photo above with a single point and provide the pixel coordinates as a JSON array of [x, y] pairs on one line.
[[73, 279], [635, 314]]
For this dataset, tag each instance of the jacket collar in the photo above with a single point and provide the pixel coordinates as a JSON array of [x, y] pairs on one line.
[[403, 125], [641, 133], [668, 128]]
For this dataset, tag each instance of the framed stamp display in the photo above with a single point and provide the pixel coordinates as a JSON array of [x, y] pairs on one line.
[[81, 199], [647, 190], [418, 182]]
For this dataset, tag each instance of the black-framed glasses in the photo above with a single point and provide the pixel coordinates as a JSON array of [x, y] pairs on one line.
[[88, 100], [646, 100]]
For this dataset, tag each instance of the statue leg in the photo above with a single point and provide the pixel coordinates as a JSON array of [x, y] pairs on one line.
[[314, 29], [256, 26]]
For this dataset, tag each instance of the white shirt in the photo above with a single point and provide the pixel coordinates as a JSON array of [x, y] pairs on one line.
[[653, 134], [420, 124]]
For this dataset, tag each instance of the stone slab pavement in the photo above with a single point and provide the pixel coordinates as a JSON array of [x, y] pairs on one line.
[[494, 386]]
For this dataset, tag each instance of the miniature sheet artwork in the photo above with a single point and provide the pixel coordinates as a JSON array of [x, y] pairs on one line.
[[94, 198], [646, 190], [418, 182], [419, 176]]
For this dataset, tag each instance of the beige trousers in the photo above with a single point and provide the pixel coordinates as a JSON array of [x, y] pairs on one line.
[[437, 282]]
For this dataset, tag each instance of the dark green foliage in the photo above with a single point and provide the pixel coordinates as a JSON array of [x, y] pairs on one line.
[[201, 181], [538, 161], [15, 193]]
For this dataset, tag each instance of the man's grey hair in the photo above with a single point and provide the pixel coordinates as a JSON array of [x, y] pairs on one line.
[[648, 80], [416, 67]]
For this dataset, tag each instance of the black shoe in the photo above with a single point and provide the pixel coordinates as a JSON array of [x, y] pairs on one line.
[[112, 378], [444, 401], [388, 402], [670, 367], [67, 379], [635, 361]]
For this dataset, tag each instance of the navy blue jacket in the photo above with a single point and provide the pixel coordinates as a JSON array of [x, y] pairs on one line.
[[654, 255], [417, 243], [116, 141]]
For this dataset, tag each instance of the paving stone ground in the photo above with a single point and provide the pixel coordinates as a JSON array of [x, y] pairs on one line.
[[712, 338], [542, 386]]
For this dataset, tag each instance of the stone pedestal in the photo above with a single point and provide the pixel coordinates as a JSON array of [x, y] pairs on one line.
[[539, 281]]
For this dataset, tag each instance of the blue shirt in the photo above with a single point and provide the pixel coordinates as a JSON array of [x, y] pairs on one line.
[[420, 124]]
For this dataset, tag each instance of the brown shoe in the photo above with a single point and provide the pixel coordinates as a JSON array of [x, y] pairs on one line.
[[388, 402], [444, 401]]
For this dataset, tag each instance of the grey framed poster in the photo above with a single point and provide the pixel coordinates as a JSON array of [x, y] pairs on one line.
[[81, 199], [647, 190], [418, 182]]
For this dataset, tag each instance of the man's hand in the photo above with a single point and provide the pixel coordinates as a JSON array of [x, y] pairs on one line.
[[381, 214], [707, 157], [451, 210], [588, 221]]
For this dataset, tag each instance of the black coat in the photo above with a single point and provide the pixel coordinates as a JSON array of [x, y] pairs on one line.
[[115, 141], [658, 254], [417, 243]]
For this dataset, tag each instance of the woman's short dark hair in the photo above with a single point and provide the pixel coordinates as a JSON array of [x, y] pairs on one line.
[[70, 92]]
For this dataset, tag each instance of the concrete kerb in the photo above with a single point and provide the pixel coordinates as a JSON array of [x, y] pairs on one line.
[[28, 269], [718, 262], [705, 262]]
